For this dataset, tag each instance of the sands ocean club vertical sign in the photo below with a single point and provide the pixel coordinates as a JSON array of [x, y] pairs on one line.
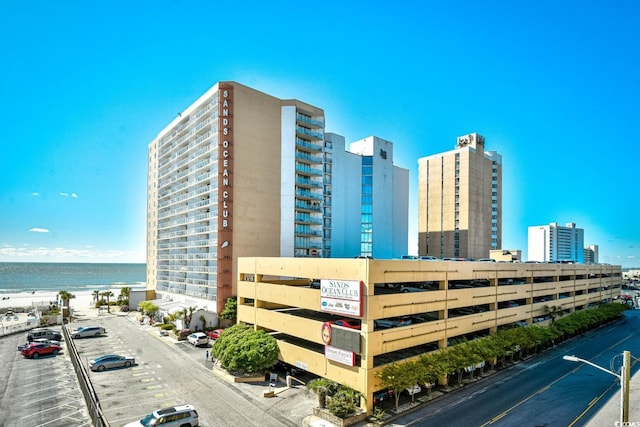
[[225, 193]]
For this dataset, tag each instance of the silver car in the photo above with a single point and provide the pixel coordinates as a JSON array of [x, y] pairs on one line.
[[109, 361], [88, 331]]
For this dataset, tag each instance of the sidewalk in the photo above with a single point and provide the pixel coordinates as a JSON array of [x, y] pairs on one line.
[[609, 415]]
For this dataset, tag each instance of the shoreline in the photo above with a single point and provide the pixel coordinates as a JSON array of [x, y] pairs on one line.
[[18, 300]]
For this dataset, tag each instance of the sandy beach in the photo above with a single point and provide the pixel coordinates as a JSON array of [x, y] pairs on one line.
[[83, 300]]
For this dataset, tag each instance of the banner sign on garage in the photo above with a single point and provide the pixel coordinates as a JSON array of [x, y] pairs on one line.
[[341, 297]]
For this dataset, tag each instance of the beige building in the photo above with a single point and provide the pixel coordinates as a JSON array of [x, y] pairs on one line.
[[237, 173], [460, 201], [399, 309]]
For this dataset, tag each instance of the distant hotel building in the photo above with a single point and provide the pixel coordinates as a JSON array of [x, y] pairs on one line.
[[460, 201], [591, 254], [241, 173], [554, 242]]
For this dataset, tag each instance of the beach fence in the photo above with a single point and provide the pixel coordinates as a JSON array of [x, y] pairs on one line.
[[21, 321], [9, 327]]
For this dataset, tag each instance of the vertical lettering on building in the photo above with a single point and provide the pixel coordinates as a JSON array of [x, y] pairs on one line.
[[225, 193]]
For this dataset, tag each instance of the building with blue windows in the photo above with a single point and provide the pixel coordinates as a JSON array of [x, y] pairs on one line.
[[370, 200]]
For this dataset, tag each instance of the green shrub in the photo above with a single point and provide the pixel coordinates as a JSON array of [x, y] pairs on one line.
[[167, 326], [341, 404]]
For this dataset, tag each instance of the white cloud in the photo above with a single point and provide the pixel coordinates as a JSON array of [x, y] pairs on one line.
[[64, 194], [39, 230], [35, 193], [74, 195]]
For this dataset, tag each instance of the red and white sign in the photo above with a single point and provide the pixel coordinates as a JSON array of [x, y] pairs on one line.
[[341, 356]]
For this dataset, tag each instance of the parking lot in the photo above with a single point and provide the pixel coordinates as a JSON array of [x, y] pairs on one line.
[[169, 372], [45, 392], [39, 392]]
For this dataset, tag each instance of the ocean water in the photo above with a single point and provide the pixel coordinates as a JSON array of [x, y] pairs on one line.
[[71, 277]]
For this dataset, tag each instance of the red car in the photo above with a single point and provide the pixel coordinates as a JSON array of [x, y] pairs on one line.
[[35, 350], [347, 323], [215, 334]]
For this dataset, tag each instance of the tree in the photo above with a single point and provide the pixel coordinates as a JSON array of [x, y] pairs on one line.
[[245, 350], [107, 295], [148, 308], [397, 376], [188, 315], [230, 311], [429, 369], [95, 294], [66, 296], [123, 298], [203, 320], [553, 312]]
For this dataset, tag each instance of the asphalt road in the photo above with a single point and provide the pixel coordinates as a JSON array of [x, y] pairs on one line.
[[544, 390]]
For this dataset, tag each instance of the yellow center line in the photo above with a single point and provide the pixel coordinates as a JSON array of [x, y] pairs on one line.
[[548, 386]]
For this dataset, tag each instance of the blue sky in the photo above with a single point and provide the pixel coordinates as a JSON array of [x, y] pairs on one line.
[[85, 86]]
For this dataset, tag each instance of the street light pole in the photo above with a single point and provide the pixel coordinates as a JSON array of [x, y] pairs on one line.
[[624, 377]]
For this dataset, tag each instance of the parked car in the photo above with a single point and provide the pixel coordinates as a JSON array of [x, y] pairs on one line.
[[382, 395], [215, 334], [176, 416], [392, 323], [109, 361], [47, 333], [46, 341], [35, 350], [411, 289], [347, 323], [429, 258], [414, 390], [198, 338], [88, 331]]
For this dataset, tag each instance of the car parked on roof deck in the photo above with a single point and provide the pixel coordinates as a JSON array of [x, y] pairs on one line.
[[198, 338], [109, 361], [35, 350]]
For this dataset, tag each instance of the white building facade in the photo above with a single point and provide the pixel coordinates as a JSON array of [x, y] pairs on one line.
[[370, 198], [554, 242]]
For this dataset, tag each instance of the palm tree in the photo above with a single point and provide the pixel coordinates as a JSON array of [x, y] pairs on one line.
[[124, 295], [107, 295], [553, 312], [65, 296], [96, 294]]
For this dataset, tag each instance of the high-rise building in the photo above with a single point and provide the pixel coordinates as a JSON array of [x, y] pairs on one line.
[[554, 242], [591, 254], [242, 173], [370, 197], [237, 173], [460, 201]]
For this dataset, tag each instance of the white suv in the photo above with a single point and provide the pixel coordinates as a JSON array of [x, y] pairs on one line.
[[198, 338], [176, 416]]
